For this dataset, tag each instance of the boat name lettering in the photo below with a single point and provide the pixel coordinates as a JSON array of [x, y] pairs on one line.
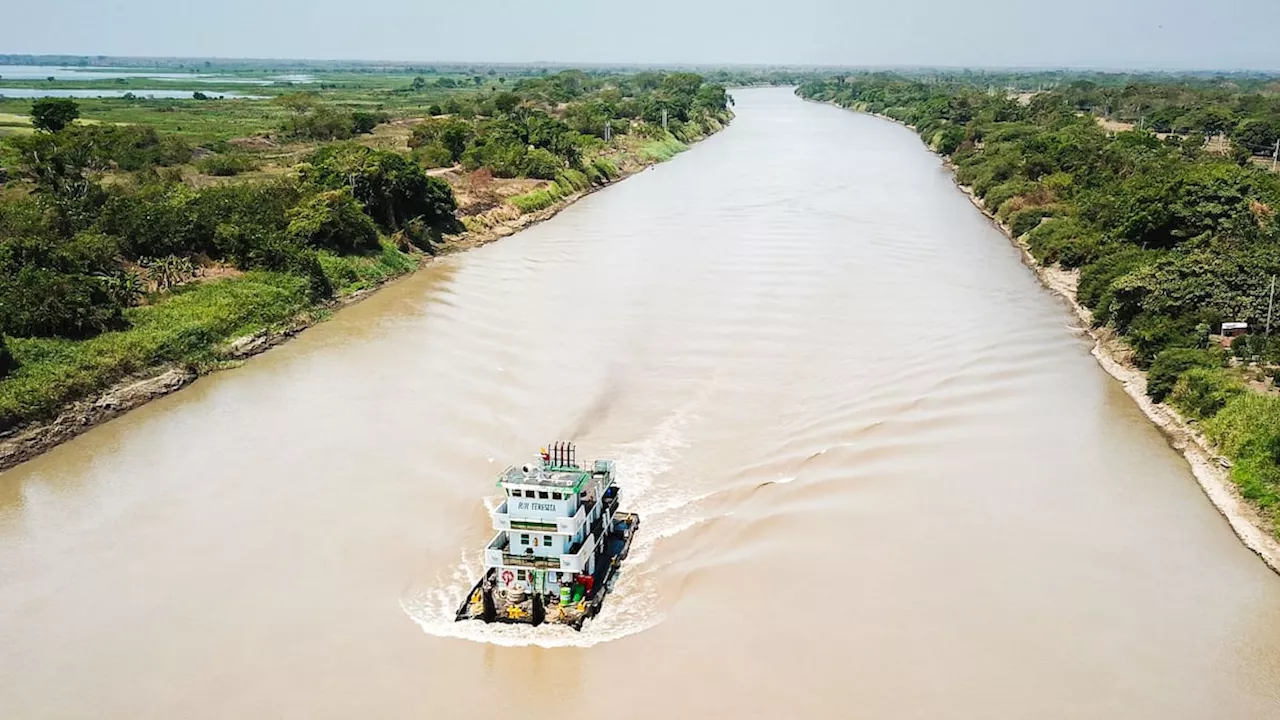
[[545, 507]]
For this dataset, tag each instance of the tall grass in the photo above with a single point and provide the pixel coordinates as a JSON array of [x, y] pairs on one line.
[[662, 149], [539, 199], [187, 327], [184, 327], [1247, 430], [349, 273]]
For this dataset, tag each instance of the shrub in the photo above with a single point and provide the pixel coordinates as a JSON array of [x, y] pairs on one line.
[[363, 123], [392, 189], [52, 287], [573, 180], [1096, 278], [53, 114], [605, 168], [434, 155], [1149, 333], [1202, 392], [348, 273], [1247, 430], [156, 220], [998, 195], [662, 149], [7, 363], [227, 165], [541, 164], [537, 199], [1250, 347], [1169, 365], [1024, 221], [97, 148], [452, 134], [948, 139], [332, 220]]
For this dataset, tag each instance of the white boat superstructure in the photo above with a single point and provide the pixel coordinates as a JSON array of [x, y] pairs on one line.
[[558, 537]]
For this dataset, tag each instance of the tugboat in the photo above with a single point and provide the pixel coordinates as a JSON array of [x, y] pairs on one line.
[[559, 544]]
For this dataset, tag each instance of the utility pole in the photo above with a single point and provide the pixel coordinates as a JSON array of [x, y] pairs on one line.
[[608, 130], [1271, 304], [1275, 156], [664, 118]]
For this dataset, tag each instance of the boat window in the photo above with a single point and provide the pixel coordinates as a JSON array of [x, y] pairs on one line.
[[520, 575], [524, 539], [556, 496], [542, 494], [515, 493], [546, 539]]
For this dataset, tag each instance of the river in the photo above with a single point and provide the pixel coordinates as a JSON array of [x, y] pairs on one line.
[[879, 473]]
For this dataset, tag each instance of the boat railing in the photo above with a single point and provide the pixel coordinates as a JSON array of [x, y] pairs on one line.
[[494, 552], [576, 559], [502, 520], [571, 525], [533, 561]]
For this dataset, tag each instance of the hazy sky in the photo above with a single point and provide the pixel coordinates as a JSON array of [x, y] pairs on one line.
[[1092, 33]]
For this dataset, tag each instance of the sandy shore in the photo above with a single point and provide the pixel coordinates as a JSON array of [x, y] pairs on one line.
[[28, 441]]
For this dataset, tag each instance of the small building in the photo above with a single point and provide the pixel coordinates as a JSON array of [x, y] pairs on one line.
[[1234, 329], [1231, 331]]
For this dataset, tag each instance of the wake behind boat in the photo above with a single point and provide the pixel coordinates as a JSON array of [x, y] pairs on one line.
[[560, 542]]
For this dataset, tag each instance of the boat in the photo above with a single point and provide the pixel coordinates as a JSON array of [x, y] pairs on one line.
[[559, 544]]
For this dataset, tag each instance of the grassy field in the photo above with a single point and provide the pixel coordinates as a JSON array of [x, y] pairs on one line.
[[209, 121]]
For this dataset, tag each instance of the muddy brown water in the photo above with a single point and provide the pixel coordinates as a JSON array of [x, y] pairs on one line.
[[880, 477]]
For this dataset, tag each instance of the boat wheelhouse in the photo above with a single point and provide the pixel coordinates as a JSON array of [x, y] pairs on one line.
[[559, 539]]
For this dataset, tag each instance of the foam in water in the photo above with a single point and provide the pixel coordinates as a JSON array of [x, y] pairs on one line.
[[666, 508]]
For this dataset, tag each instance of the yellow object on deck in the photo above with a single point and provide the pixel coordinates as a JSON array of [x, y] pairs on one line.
[[514, 612]]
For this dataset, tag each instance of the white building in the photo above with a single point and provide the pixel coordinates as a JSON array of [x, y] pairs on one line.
[[551, 524]]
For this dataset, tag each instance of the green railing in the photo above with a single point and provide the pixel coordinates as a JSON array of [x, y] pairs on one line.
[[533, 561], [534, 526]]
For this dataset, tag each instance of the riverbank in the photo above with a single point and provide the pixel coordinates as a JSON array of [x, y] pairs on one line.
[[26, 441], [1208, 465]]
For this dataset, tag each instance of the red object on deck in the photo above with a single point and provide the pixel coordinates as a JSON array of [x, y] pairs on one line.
[[587, 581]]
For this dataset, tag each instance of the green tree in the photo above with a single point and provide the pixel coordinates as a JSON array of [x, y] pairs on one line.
[[53, 114], [1169, 366], [52, 287], [7, 363], [333, 220], [505, 102], [363, 123], [453, 134], [392, 189]]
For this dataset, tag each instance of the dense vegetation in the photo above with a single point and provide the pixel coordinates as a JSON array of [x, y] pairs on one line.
[[121, 249], [1171, 234]]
